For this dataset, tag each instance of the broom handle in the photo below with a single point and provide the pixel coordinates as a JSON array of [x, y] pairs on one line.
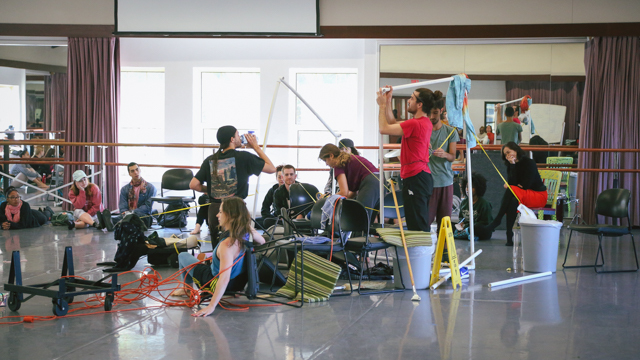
[[404, 242]]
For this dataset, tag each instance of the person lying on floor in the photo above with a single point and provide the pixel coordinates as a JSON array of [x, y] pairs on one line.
[[227, 258], [482, 210], [17, 214]]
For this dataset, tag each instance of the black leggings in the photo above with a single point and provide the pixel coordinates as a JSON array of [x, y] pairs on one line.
[[203, 211], [509, 207], [39, 216]]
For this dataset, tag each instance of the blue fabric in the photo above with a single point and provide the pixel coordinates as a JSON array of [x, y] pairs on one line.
[[144, 200], [455, 103], [533, 128]]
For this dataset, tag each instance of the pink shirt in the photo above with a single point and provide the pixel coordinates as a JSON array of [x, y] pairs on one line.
[[91, 205]]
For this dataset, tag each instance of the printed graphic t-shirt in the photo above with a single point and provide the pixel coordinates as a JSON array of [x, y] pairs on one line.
[[414, 150], [232, 173]]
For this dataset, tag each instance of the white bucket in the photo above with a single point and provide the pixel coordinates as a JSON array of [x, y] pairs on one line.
[[540, 242], [420, 257]]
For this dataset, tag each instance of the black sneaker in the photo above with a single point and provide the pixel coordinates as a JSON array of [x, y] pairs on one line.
[[106, 214], [100, 223], [71, 224]]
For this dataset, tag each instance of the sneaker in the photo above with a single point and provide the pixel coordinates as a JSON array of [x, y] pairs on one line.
[[464, 272], [106, 214], [71, 224]]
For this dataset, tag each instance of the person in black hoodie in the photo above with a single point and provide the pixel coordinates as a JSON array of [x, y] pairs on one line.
[[17, 214], [524, 180]]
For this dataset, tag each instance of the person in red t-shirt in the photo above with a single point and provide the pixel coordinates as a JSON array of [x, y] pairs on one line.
[[414, 155]]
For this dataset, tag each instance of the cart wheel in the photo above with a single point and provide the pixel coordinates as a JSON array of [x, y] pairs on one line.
[[14, 301], [68, 299], [60, 308], [108, 301]]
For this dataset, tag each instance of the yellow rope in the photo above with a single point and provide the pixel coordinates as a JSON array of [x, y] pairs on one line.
[[494, 166]]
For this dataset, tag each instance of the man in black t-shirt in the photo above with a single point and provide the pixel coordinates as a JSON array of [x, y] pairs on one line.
[[281, 197], [226, 173]]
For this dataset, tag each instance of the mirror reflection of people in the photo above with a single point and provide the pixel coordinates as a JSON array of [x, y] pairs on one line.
[[490, 134], [87, 203], [226, 261], [24, 172], [525, 181], [17, 214]]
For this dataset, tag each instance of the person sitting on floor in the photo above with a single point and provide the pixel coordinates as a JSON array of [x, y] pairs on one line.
[[136, 196], [227, 259], [87, 203], [482, 210], [17, 214], [24, 171], [268, 212]]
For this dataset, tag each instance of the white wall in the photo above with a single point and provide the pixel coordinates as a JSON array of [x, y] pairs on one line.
[[11, 76], [367, 12], [274, 58]]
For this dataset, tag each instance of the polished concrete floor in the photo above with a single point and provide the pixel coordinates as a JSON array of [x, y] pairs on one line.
[[574, 314]]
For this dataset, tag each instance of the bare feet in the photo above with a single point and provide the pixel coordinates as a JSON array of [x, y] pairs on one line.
[[196, 230], [178, 292]]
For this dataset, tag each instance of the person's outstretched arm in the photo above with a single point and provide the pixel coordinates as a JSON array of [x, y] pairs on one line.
[[226, 262], [253, 143], [385, 127]]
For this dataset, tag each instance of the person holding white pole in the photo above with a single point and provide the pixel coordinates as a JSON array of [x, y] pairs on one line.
[[414, 155]]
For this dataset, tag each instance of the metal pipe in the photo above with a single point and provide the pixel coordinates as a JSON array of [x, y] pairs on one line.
[[418, 84], [518, 279]]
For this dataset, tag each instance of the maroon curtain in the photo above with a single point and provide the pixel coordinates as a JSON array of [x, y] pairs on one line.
[[55, 94], [568, 94], [610, 119], [93, 66]]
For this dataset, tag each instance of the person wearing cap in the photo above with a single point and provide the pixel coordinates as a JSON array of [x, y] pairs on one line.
[[136, 196], [24, 171], [226, 172], [347, 146], [87, 203]]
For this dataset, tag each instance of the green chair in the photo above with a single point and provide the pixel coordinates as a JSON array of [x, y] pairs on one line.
[[551, 179]]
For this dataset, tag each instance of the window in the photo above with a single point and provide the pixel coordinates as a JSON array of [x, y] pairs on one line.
[[10, 107], [141, 119], [230, 97]]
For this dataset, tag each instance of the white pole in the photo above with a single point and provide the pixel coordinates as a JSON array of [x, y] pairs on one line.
[[512, 101], [264, 144], [518, 279], [310, 108], [470, 200], [418, 84]]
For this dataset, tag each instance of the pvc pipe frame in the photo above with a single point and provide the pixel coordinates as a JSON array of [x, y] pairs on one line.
[[518, 279], [418, 84], [512, 101]]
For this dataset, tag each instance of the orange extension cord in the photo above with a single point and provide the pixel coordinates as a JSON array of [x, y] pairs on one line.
[[148, 285]]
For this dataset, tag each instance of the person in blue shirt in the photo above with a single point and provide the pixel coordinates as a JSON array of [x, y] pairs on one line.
[[227, 258]]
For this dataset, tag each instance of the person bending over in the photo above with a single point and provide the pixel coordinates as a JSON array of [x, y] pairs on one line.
[[87, 203], [17, 214], [482, 210], [524, 179], [136, 195], [414, 151], [226, 173], [227, 258], [349, 147], [357, 177]]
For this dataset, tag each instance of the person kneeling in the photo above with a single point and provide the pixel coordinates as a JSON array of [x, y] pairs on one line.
[[227, 258]]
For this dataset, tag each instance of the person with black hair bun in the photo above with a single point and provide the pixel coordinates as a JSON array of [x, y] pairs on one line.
[[414, 155], [17, 214], [226, 173], [525, 181], [482, 210]]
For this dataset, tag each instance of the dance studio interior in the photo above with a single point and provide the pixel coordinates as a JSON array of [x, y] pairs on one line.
[[319, 179]]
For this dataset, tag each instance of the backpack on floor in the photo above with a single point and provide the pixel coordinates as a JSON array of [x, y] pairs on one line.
[[177, 219], [61, 218], [131, 246]]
